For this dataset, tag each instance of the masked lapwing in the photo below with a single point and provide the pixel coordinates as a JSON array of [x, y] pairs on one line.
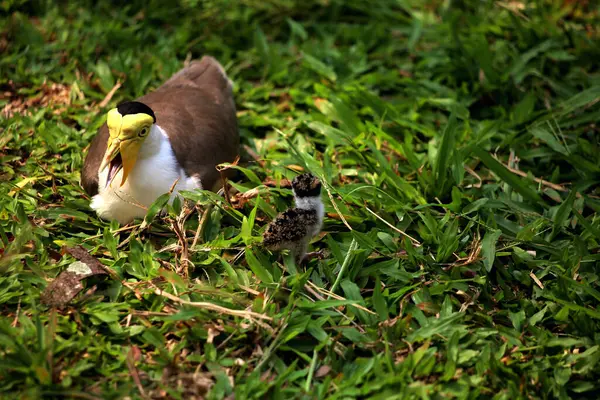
[[172, 138], [294, 228]]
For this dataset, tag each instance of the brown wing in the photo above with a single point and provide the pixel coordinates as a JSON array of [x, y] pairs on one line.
[[290, 226], [89, 174], [197, 110]]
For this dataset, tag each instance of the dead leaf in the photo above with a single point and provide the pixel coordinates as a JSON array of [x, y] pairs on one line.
[[54, 95], [322, 371], [296, 168], [68, 283], [190, 385], [284, 182], [213, 331]]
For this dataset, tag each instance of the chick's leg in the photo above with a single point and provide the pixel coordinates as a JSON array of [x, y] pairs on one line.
[[299, 250]]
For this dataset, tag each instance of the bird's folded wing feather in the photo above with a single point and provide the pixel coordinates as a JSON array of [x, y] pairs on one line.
[[197, 109], [89, 173], [289, 226]]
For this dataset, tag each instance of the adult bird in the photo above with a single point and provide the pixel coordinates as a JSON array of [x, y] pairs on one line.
[[172, 138]]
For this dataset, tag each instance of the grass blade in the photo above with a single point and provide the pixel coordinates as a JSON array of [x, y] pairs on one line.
[[488, 248], [444, 154], [563, 213]]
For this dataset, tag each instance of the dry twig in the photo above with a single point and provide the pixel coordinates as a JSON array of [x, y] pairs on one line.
[[212, 307], [110, 95]]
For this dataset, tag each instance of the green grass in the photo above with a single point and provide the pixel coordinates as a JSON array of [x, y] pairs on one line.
[[457, 271]]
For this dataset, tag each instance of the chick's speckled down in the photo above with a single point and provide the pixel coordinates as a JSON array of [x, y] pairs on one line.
[[290, 226]]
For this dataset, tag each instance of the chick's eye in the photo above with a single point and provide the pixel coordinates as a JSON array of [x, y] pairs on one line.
[[144, 131]]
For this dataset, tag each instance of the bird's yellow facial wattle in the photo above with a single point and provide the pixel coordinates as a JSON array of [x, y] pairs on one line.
[[127, 133]]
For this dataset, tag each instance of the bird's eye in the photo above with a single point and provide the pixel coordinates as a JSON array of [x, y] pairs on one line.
[[144, 131]]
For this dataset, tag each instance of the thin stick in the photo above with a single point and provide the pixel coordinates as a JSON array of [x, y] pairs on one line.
[[255, 156], [16, 320], [538, 180], [514, 8], [473, 173], [536, 280], [184, 259], [415, 241], [134, 373], [333, 295], [202, 224], [180, 232], [150, 313], [110, 95], [212, 307], [336, 207]]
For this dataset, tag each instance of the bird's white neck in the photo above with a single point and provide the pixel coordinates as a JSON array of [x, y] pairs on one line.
[[311, 203], [153, 142]]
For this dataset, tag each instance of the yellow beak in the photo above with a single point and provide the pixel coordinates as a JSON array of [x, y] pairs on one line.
[[128, 150], [123, 144]]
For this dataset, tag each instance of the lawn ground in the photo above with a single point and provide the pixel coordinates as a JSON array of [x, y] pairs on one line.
[[460, 154]]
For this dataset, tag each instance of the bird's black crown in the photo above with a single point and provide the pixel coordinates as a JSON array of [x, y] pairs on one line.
[[306, 185], [135, 107]]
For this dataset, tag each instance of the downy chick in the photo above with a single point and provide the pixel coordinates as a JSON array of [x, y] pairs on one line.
[[294, 228]]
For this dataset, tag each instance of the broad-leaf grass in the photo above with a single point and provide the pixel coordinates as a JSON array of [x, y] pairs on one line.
[[459, 153]]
